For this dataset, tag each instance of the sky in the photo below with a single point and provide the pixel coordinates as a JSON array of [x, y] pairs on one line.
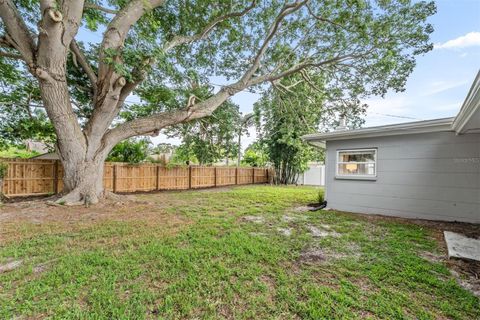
[[441, 80], [438, 84]]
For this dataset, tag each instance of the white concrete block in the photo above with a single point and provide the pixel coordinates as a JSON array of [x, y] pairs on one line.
[[460, 246]]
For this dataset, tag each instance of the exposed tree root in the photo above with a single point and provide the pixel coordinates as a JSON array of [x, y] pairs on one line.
[[78, 198], [112, 196]]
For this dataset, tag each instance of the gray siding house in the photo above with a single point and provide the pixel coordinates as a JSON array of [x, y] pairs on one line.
[[425, 169]]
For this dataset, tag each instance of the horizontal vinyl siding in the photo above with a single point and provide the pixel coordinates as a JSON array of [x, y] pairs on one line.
[[431, 176]]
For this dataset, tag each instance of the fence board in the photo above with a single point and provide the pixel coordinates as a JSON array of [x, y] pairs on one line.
[[27, 177], [245, 175], [225, 176], [175, 178], [203, 177]]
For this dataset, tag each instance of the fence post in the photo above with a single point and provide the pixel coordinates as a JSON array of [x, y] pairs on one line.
[[236, 175], [189, 177], [157, 184], [55, 177], [253, 175], [114, 178], [215, 175], [266, 175]]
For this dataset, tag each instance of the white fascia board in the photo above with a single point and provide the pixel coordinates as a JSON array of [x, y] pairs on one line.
[[427, 126]]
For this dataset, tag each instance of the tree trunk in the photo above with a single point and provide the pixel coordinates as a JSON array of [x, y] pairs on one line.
[[83, 181], [239, 151]]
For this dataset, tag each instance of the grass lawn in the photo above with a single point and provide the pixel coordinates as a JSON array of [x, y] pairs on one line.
[[239, 253]]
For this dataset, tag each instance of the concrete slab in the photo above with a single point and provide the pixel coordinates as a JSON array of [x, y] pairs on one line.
[[460, 246]]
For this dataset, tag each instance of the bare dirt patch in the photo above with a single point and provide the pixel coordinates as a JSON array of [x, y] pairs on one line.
[[254, 219], [315, 254], [215, 189], [323, 232], [467, 273], [312, 255], [433, 257], [302, 209], [10, 265], [287, 232], [36, 216]]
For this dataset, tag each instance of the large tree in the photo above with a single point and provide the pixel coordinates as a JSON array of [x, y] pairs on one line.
[[362, 45]]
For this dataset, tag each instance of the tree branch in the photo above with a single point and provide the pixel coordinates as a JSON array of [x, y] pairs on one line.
[[11, 55], [319, 18], [145, 125], [98, 7], [308, 63], [82, 60], [118, 29], [5, 43], [18, 34], [72, 11], [179, 40], [286, 10]]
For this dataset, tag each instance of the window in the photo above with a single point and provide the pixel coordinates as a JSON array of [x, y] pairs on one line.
[[359, 163]]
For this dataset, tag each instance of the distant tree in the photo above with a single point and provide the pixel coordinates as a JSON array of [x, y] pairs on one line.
[[255, 155], [156, 47], [245, 122], [131, 151], [163, 148], [183, 155]]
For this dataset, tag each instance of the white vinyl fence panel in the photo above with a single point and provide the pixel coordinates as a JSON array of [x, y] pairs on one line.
[[314, 176]]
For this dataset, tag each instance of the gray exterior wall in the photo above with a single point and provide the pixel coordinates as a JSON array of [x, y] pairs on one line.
[[432, 176]]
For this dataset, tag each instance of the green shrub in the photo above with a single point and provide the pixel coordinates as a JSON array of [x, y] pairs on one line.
[[3, 169]]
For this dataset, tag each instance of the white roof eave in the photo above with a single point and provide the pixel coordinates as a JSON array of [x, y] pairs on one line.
[[470, 111], [437, 125]]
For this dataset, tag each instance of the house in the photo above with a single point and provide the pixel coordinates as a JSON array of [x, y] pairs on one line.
[[36, 146], [47, 156], [424, 169]]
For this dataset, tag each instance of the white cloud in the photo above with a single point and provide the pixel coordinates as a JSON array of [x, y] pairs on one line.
[[471, 39], [441, 86], [162, 138]]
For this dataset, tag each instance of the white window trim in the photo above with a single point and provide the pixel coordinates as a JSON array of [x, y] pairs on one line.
[[355, 176]]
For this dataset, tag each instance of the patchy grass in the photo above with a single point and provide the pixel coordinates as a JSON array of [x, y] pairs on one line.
[[203, 255]]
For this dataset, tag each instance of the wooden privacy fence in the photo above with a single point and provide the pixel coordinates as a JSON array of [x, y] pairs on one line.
[[28, 177]]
